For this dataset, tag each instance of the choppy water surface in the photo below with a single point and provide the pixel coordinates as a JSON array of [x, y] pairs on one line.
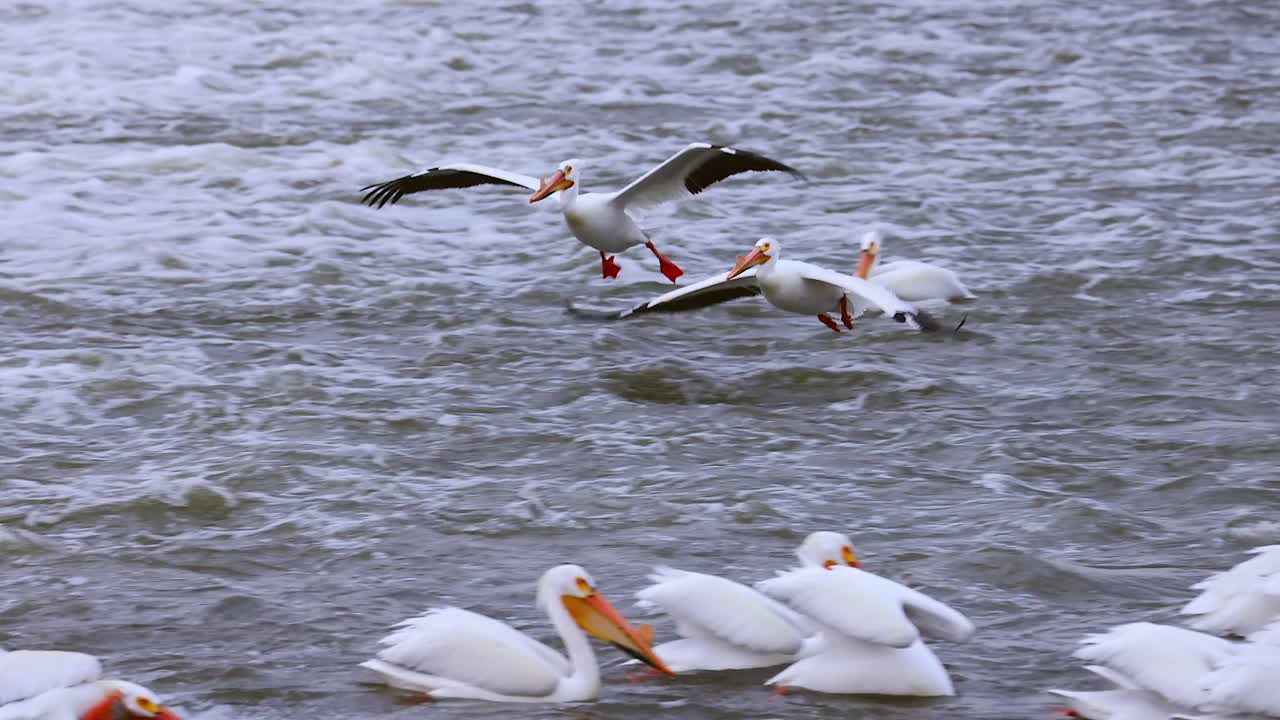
[[250, 423]]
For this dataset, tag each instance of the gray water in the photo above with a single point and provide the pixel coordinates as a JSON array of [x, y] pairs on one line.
[[250, 423]]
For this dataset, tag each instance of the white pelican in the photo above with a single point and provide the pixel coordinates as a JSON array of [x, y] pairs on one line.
[[797, 287], [55, 685], [1161, 671], [599, 220], [871, 629], [1240, 600], [728, 626], [911, 280], [454, 653]]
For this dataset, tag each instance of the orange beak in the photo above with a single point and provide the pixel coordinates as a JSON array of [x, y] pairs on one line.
[[864, 264], [595, 615], [849, 558], [753, 258], [555, 183]]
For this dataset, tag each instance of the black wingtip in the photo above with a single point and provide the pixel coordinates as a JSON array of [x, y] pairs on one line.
[[926, 321], [594, 313], [966, 317]]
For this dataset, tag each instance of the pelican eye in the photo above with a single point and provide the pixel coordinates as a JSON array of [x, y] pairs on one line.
[[766, 247], [148, 705], [568, 169], [584, 587]]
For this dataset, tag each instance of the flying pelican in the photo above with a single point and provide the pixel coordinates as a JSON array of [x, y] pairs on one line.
[[454, 653], [57, 685], [728, 626], [1161, 671], [911, 280], [1242, 599], [599, 220], [871, 633], [794, 286]]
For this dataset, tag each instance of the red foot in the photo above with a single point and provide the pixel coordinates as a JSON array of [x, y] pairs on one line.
[[829, 322], [1065, 712], [608, 268], [782, 690], [845, 317], [668, 268]]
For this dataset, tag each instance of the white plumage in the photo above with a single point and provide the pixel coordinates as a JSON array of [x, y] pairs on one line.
[[454, 653], [1240, 600], [870, 630], [789, 285], [58, 685], [725, 625], [1162, 671], [911, 280]]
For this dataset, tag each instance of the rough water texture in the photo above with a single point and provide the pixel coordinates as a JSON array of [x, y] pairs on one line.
[[250, 423]]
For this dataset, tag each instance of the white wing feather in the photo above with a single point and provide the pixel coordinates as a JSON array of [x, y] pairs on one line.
[[848, 602], [915, 281], [27, 673], [725, 610], [668, 182], [713, 284], [1244, 577], [470, 648], [876, 295], [1164, 659], [1246, 682], [664, 183]]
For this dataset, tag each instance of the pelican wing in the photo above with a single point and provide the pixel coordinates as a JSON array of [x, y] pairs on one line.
[[1246, 682], [846, 601], [27, 673], [1164, 659], [710, 606], [462, 646], [691, 171], [460, 175], [931, 617], [915, 281], [882, 297], [704, 293]]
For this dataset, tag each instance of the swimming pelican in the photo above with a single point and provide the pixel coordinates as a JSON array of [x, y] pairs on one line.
[[599, 220], [911, 280], [725, 625], [797, 287], [57, 685], [453, 653], [1161, 671], [871, 633]]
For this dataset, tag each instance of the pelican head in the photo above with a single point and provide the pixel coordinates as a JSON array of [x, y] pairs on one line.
[[763, 251], [870, 252], [827, 549], [565, 177], [127, 700], [577, 592]]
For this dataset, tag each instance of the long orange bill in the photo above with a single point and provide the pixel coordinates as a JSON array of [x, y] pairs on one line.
[[595, 615], [753, 258], [550, 185], [864, 264]]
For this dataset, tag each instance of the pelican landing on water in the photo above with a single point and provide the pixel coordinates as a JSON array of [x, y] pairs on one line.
[[790, 285], [599, 220]]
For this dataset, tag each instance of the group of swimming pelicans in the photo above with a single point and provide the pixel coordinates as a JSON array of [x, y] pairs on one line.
[[835, 626], [603, 221]]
